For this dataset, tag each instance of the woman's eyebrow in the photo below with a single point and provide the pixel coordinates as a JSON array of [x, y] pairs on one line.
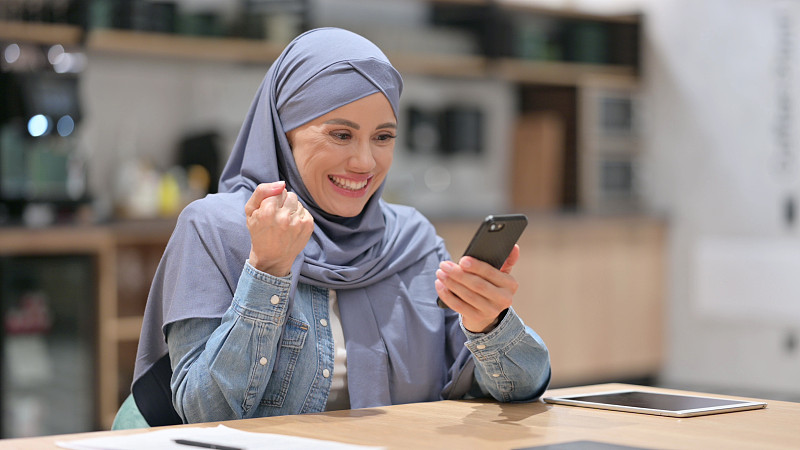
[[356, 126], [344, 122]]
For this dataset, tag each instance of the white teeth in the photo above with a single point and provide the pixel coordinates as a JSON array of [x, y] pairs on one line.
[[348, 184]]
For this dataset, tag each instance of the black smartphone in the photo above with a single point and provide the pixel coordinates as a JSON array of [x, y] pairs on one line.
[[494, 240]]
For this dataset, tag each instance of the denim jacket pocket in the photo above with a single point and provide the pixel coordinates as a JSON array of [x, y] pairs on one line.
[[292, 341]]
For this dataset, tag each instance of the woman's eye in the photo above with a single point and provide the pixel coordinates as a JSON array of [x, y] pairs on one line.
[[341, 135], [386, 137]]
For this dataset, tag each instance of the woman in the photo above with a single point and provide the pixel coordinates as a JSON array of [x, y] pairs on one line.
[[298, 289]]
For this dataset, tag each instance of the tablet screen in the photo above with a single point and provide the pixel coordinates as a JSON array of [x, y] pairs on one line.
[[656, 403]]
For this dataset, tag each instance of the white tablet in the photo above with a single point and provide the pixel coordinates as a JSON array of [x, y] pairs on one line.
[[673, 405]]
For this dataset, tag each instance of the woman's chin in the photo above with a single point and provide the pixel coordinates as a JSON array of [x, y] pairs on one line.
[[346, 212]]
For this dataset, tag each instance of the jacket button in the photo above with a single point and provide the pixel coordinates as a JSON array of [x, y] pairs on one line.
[[274, 299], [263, 361], [326, 373]]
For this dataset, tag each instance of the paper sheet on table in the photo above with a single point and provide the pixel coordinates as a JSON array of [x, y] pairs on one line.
[[220, 435]]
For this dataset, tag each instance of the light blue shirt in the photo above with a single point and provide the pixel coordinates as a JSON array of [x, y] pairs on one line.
[[224, 368]]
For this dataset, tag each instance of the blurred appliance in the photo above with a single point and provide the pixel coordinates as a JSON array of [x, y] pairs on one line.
[[451, 130], [424, 131], [202, 149], [40, 165], [462, 129], [609, 147], [453, 147]]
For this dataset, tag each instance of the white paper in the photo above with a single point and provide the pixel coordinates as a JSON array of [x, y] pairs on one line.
[[220, 435]]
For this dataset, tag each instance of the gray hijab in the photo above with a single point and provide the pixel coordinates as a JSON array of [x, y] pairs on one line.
[[360, 257], [319, 71]]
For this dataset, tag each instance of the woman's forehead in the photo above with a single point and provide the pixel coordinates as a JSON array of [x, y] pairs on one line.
[[372, 111]]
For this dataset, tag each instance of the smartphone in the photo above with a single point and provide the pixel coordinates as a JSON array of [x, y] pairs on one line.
[[494, 240]]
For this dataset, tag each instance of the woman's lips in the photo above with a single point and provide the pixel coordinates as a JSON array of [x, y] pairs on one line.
[[349, 186]]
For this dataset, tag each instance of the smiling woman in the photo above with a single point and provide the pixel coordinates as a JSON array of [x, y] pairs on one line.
[[297, 289], [344, 156]]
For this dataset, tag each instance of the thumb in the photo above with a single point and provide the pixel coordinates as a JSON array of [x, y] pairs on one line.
[[272, 189], [262, 192]]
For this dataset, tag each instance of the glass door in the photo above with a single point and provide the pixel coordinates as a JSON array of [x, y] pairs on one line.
[[48, 345]]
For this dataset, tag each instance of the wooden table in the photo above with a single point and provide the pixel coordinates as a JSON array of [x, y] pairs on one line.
[[482, 424]]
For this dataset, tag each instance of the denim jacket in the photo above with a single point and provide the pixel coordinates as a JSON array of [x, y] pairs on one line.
[[224, 368]]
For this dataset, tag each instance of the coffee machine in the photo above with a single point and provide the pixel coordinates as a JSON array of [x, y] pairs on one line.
[[42, 174]]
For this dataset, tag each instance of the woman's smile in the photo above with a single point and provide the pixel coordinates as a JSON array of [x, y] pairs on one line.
[[350, 186]]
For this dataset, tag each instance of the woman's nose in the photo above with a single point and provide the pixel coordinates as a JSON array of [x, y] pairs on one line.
[[362, 159]]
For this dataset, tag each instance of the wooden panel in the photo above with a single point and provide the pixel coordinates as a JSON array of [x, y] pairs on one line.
[[40, 33], [537, 162], [184, 47], [444, 65], [559, 73]]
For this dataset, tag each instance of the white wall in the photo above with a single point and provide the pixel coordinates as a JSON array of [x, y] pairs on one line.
[[722, 158], [139, 108]]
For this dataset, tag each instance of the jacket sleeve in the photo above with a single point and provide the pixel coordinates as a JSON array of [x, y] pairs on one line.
[[512, 362], [221, 367]]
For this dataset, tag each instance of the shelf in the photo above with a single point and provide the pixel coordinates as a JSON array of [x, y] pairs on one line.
[[458, 66], [183, 47], [525, 6], [462, 2], [40, 33], [55, 240], [560, 73], [236, 50], [566, 13], [255, 51]]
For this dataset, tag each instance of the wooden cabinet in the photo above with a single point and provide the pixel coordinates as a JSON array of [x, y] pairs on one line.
[[593, 288], [126, 256]]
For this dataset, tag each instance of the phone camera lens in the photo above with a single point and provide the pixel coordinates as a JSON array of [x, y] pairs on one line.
[[495, 227]]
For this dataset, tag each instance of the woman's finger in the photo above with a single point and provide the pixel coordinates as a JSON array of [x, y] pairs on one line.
[[451, 300], [262, 192], [291, 203], [512, 259], [484, 271], [478, 291], [465, 286]]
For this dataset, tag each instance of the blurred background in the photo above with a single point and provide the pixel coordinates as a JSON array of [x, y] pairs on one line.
[[653, 144]]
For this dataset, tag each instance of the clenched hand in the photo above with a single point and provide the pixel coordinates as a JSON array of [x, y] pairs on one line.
[[279, 228]]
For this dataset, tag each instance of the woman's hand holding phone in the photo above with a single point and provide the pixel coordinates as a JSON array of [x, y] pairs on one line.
[[480, 287], [477, 290]]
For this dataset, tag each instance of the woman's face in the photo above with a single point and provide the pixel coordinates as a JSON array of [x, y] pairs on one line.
[[344, 156]]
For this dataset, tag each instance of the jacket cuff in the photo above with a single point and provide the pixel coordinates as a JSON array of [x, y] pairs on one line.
[[485, 345], [261, 296]]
